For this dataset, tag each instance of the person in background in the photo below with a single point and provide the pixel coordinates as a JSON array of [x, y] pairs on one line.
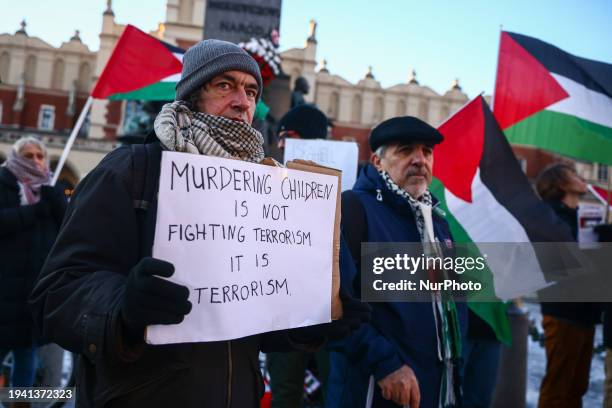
[[604, 234], [31, 212], [569, 328], [302, 122]]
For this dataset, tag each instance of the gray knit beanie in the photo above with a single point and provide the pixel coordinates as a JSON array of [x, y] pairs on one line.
[[210, 58]]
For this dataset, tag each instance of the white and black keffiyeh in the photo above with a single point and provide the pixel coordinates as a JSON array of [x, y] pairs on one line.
[[424, 199], [29, 177], [182, 130], [444, 308]]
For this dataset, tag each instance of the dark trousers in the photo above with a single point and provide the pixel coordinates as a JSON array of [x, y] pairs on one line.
[[569, 350], [287, 371], [481, 362]]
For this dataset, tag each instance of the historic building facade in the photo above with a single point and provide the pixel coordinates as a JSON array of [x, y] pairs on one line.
[[356, 108], [43, 89]]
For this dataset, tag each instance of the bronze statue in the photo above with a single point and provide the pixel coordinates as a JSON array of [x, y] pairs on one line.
[[300, 88]]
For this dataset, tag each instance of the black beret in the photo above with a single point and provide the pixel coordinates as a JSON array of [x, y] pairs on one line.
[[405, 130], [308, 121]]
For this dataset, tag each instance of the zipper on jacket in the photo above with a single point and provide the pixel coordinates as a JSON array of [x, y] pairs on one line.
[[229, 375], [378, 194]]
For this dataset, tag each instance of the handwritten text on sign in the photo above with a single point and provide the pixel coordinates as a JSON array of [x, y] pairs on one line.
[[253, 244]]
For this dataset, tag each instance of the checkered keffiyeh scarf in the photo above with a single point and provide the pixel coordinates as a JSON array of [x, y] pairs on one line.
[[424, 199], [444, 308], [29, 177], [182, 130]]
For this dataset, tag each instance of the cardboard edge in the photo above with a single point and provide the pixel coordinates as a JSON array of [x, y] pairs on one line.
[[310, 166]]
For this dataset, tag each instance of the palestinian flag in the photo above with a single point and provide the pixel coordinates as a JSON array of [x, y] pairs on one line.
[[140, 67], [548, 98], [488, 199]]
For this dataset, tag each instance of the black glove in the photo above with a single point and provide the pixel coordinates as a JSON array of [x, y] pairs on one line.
[[55, 199], [152, 300], [354, 314]]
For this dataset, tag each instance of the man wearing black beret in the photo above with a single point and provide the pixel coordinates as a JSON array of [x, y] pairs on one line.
[[408, 354]]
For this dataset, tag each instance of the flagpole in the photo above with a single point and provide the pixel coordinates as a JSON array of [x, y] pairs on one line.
[[70, 141]]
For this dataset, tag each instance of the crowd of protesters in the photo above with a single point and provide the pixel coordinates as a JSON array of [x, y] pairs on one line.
[[92, 286]]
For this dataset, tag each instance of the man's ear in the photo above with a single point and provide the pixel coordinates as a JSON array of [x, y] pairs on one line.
[[375, 160]]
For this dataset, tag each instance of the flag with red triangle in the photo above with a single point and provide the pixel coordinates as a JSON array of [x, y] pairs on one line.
[[140, 67], [548, 98], [145, 68], [488, 199]]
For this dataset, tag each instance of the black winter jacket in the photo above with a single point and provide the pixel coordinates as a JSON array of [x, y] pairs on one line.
[[583, 314], [77, 304], [25, 241]]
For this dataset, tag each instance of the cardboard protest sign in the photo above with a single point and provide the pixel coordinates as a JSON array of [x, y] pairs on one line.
[[336, 154], [253, 243]]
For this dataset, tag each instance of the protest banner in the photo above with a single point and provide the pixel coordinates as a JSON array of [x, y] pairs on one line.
[[336, 154], [253, 243]]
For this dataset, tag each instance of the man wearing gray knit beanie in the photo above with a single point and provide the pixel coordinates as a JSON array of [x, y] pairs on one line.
[[215, 102], [100, 287]]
